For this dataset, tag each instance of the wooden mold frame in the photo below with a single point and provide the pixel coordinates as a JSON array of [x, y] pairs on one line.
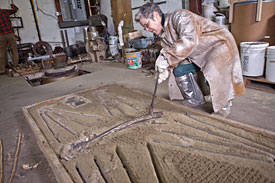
[[63, 176]]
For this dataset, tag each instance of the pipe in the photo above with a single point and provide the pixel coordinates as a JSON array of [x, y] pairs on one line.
[[35, 20], [62, 38], [67, 39], [89, 6]]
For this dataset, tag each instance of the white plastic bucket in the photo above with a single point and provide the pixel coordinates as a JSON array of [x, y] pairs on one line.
[[220, 18], [270, 64], [113, 49], [113, 40], [253, 58], [133, 59]]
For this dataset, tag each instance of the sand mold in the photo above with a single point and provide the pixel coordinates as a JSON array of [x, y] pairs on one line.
[[178, 147]]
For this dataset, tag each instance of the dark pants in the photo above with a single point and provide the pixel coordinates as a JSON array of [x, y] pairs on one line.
[[5, 41]]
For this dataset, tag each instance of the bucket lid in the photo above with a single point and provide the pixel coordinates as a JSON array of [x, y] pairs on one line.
[[271, 49], [220, 15], [133, 52], [130, 50], [254, 44]]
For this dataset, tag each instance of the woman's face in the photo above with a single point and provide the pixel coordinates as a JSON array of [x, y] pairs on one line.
[[152, 25]]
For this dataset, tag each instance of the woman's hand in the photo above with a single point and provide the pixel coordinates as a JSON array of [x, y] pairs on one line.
[[161, 66]]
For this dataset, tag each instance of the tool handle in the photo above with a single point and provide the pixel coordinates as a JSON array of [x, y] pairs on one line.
[[154, 96]]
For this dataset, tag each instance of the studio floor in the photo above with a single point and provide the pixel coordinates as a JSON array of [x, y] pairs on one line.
[[255, 108]]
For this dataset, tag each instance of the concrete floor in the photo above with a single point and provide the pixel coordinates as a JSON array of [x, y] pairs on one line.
[[256, 108]]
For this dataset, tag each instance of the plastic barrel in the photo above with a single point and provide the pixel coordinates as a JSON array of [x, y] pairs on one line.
[[270, 64], [253, 58]]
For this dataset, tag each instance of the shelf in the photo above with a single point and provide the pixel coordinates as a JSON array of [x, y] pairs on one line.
[[259, 83]]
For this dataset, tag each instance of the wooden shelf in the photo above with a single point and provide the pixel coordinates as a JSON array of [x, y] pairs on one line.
[[259, 83]]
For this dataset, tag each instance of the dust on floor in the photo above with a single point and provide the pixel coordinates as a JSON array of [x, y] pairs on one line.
[[95, 138]]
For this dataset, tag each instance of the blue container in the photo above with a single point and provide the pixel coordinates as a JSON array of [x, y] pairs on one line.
[[141, 43]]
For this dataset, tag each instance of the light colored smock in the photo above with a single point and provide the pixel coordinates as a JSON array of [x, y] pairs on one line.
[[209, 46]]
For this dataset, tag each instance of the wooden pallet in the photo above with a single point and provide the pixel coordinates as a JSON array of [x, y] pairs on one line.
[[259, 83], [22, 72]]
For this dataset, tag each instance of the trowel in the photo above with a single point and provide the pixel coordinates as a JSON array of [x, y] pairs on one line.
[[154, 96]]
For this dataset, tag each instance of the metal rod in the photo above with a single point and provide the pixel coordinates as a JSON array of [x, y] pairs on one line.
[[117, 128], [89, 6], [67, 39], [85, 36], [62, 38], [35, 20], [69, 150], [154, 96], [259, 10]]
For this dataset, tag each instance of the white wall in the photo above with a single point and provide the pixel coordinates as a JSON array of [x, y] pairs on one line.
[[48, 25], [28, 33], [47, 21], [106, 9]]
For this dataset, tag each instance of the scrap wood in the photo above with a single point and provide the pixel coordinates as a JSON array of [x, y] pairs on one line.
[[1, 165], [19, 141]]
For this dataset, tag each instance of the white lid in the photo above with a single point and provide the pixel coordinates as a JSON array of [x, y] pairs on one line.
[[255, 44], [271, 49]]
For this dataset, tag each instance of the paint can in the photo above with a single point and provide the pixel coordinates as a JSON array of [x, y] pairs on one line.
[[253, 58], [113, 49], [133, 58], [270, 64]]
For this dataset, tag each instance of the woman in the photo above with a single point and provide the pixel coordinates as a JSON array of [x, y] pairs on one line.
[[191, 43]]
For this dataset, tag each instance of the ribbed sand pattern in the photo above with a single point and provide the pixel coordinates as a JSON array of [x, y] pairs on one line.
[[106, 135]]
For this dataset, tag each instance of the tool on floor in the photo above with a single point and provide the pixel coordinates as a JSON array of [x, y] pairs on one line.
[[69, 151], [154, 96]]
